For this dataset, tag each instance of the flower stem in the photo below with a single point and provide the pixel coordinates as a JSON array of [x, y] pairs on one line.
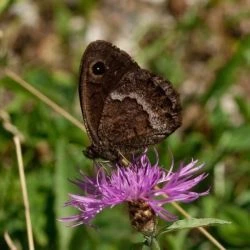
[[17, 136], [155, 245], [44, 99]]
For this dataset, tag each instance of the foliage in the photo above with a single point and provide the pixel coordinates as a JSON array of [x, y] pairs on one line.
[[205, 55]]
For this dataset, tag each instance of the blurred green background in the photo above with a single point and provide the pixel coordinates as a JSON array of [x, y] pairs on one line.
[[202, 46]]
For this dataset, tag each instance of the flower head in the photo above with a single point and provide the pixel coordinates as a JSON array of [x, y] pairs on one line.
[[140, 181]]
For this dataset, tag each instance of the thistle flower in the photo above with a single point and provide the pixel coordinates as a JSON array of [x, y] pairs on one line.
[[144, 186]]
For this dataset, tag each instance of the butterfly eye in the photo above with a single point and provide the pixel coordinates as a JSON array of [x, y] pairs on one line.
[[98, 68]]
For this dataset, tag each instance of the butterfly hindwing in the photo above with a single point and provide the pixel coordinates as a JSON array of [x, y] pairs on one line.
[[140, 112]]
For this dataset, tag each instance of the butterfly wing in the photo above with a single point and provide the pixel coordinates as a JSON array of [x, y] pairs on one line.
[[141, 111], [102, 67]]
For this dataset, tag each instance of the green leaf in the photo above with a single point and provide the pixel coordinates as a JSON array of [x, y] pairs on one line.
[[62, 188], [4, 4], [177, 240], [244, 107], [192, 223], [226, 76], [137, 246], [145, 247], [235, 140], [236, 234]]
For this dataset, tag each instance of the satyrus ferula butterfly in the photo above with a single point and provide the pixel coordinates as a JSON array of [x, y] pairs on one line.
[[125, 108]]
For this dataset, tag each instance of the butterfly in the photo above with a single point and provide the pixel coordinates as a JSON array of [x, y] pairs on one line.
[[125, 108]]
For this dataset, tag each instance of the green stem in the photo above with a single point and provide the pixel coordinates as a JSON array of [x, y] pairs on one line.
[[155, 245], [152, 243]]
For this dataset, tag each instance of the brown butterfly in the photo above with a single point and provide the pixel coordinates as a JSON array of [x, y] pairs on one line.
[[125, 108]]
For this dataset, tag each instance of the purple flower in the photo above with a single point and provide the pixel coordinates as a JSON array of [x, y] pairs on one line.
[[140, 181]]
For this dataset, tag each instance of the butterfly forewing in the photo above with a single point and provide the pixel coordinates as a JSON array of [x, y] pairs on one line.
[[94, 87]]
